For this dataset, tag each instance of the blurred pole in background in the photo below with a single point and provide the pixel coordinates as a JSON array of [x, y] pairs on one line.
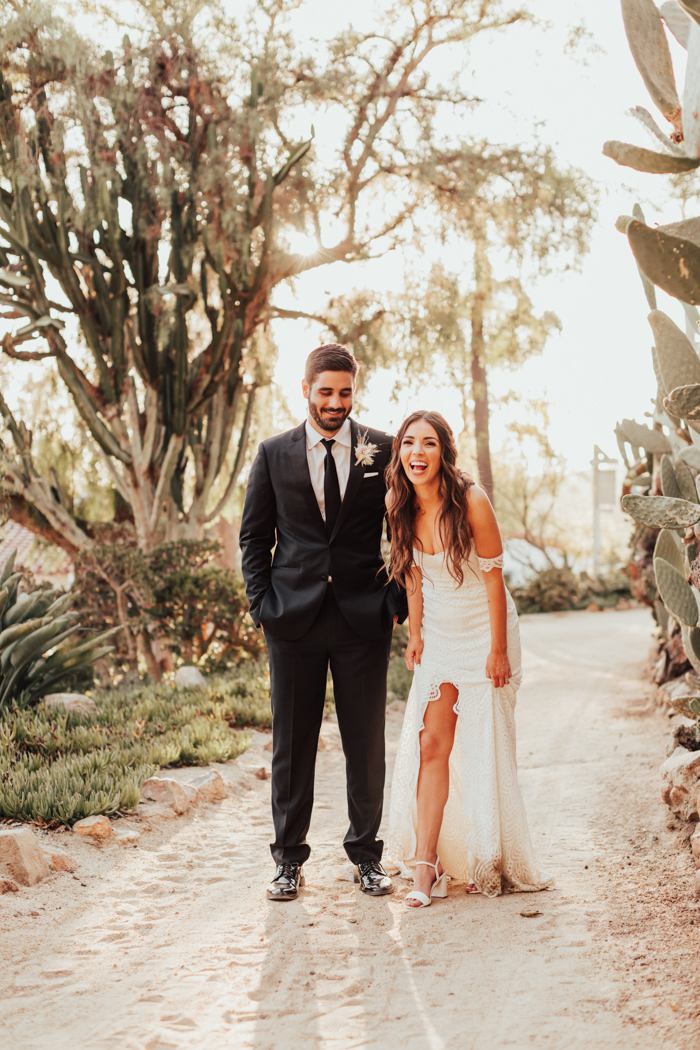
[[603, 496]]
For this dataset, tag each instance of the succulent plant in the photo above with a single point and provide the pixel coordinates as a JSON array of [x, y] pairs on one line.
[[40, 644]]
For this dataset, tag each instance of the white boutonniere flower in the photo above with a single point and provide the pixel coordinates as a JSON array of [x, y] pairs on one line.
[[365, 451]]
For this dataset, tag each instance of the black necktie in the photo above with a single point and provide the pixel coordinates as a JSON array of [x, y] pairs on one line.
[[331, 486]]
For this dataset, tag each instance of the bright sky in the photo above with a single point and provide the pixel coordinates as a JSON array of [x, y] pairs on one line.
[[599, 369]]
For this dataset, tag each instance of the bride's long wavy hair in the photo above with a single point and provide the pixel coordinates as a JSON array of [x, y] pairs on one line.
[[402, 506]]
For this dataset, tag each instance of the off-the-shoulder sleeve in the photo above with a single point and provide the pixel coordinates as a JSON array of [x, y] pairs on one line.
[[486, 564]]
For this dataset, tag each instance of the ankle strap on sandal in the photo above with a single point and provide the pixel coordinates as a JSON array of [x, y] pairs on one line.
[[430, 864]]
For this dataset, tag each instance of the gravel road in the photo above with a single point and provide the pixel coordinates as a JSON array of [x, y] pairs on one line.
[[172, 945]]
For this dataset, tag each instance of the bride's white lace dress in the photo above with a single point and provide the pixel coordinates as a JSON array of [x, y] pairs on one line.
[[484, 837]]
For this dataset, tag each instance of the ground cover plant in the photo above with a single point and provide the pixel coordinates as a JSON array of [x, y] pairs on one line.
[[56, 768]]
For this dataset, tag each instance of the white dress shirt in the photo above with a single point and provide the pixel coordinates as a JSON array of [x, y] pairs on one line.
[[316, 455]]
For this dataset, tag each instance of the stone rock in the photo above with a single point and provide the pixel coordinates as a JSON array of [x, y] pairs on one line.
[[126, 836], [23, 857], [99, 827], [268, 746], [681, 772], [262, 773], [59, 860], [593, 607], [156, 812], [683, 735], [697, 885], [8, 886], [192, 793], [72, 702], [190, 677], [165, 789], [695, 846], [677, 687], [210, 786]]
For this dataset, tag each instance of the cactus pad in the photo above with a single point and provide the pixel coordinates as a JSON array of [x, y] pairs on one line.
[[686, 481], [684, 401], [678, 362], [660, 512], [671, 263], [677, 594], [648, 160], [691, 7], [667, 547], [669, 485], [640, 436], [651, 54], [691, 456]]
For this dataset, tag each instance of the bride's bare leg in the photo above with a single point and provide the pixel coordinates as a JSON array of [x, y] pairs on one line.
[[436, 740]]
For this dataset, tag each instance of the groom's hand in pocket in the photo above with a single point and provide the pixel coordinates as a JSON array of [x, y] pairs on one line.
[[414, 652]]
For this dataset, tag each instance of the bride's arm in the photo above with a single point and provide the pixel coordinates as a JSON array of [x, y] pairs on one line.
[[488, 543], [414, 593]]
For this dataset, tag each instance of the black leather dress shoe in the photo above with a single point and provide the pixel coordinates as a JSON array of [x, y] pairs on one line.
[[285, 885], [373, 879]]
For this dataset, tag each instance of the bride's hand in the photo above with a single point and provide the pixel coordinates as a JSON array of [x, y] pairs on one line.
[[414, 651], [498, 669]]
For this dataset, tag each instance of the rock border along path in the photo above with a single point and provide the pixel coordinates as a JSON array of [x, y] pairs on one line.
[[169, 942]]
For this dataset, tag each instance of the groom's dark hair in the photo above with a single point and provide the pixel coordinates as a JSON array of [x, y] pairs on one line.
[[331, 357]]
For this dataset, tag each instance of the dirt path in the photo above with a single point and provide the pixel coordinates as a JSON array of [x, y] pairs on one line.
[[172, 944]]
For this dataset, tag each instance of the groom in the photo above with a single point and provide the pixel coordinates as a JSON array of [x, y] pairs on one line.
[[316, 496]]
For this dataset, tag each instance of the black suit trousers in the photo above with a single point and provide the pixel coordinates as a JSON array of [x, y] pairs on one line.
[[298, 671]]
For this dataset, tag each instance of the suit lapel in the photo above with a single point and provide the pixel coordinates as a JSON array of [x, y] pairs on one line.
[[300, 466], [355, 477]]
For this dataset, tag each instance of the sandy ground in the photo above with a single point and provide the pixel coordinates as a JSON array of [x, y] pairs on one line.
[[172, 944]]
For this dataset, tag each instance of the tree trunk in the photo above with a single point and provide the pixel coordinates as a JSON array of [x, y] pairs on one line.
[[478, 368]]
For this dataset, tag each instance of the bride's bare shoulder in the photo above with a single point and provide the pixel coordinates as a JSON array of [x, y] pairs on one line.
[[477, 498]]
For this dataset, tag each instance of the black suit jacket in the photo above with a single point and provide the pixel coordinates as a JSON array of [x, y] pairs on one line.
[[286, 590]]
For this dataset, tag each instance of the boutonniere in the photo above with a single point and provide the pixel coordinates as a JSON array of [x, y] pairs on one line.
[[365, 451]]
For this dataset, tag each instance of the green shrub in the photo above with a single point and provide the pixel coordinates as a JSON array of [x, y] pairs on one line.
[[175, 595], [553, 590], [56, 768], [550, 591]]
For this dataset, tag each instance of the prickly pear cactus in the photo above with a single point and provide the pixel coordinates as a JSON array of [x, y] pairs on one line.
[[668, 257]]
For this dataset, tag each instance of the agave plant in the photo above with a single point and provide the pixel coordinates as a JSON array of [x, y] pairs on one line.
[[38, 644]]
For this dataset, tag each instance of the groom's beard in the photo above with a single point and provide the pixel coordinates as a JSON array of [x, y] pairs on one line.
[[330, 421]]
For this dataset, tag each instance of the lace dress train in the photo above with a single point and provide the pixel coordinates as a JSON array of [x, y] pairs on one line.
[[484, 836]]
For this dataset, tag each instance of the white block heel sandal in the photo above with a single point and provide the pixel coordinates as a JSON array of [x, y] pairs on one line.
[[438, 888]]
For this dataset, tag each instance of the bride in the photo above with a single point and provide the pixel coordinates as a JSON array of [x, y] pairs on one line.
[[456, 807]]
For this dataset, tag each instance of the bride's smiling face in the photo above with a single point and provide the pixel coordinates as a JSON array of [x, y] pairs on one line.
[[420, 453]]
